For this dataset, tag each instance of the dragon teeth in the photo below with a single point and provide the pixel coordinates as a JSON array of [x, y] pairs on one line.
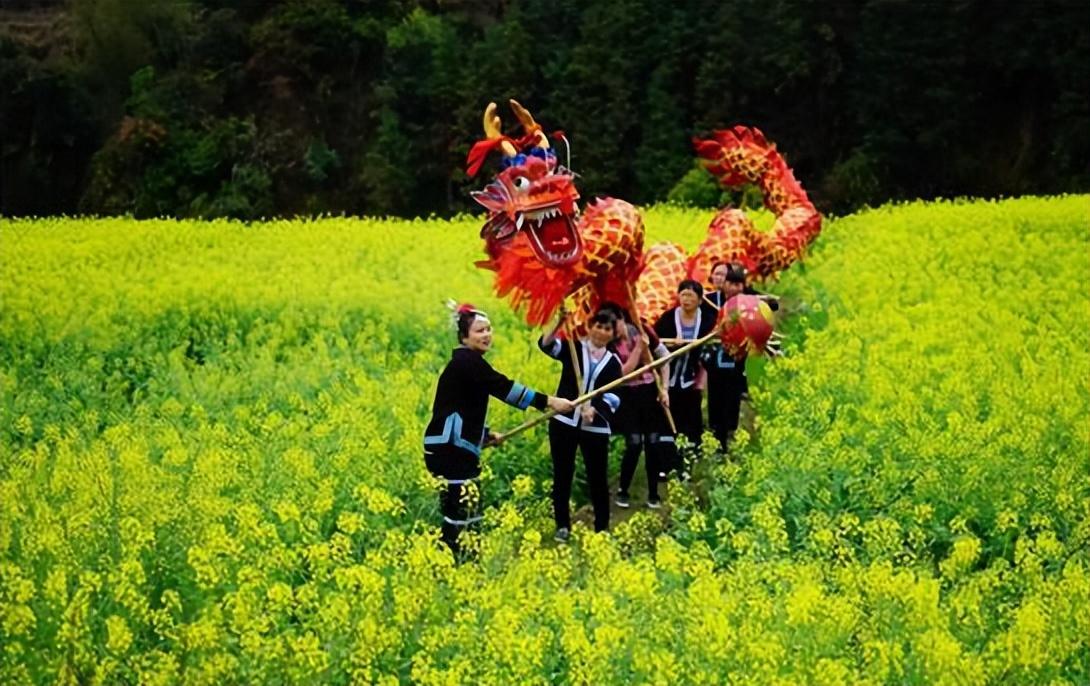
[[547, 213]]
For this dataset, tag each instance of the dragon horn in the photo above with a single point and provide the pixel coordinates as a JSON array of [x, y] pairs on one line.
[[492, 129], [528, 124]]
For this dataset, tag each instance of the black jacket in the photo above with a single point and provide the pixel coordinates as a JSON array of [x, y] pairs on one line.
[[683, 369], [594, 376], [457, 429]]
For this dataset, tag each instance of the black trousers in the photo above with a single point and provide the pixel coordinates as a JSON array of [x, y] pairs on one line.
[[642, 422], [563, 442], [459, 504], [646, 430], [725, 388], [458, 497], [685, 405], [634, 444]]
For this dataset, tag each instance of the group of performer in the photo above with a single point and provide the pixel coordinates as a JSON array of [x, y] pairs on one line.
[[644, 410]]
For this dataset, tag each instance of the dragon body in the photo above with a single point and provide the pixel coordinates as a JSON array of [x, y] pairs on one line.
[[543, 249]]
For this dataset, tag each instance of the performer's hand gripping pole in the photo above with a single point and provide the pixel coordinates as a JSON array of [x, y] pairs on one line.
[[609, 386]]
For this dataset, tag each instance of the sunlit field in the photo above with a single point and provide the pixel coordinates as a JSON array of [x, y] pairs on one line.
[[211, 466]]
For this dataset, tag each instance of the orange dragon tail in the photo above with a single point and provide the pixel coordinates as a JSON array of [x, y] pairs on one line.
[[743, 155]]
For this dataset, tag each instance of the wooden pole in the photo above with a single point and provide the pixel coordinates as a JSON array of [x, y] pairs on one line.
[[590, 395], [570, 335], [762, 296], [675, 341]]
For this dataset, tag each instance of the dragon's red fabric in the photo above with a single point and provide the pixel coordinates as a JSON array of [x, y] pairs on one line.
[[543, 251]]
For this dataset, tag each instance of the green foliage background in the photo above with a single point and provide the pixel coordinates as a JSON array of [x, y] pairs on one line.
[[224, 109]]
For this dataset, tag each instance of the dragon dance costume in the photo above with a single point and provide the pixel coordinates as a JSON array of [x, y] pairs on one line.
[[544, 250]]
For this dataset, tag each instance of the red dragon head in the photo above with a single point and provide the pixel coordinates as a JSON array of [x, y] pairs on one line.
[[534, 198], [531, 235]]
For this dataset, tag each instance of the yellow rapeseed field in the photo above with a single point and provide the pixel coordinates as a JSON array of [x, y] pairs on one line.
[[211, 470]]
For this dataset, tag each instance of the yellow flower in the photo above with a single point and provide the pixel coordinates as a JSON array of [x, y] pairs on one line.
[[118, 636], [522, 486]]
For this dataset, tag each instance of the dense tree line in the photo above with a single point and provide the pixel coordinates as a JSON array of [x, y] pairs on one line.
[[247, 109]]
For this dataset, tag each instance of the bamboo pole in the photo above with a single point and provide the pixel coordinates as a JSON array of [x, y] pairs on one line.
[[675, 341], [762, 296], [569, 333], [590, 395]]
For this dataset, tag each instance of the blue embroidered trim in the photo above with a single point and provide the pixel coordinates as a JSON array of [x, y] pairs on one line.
[[612, 400], [519, 396], [452, 433]]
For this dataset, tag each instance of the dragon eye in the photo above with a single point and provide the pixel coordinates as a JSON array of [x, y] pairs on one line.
[[522, 183]]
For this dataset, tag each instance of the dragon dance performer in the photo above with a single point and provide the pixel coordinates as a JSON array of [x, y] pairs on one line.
[[688, 321], [457, 431], [719, 276], [586, 427], [641, 419], [727, 382]]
